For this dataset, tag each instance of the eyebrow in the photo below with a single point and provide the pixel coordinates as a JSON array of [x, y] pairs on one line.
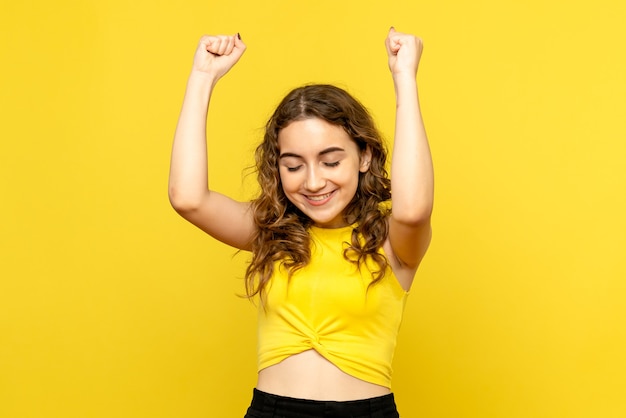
[[322, 152]]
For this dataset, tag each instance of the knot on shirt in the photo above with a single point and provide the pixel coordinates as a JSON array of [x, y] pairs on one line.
[[315, 340]]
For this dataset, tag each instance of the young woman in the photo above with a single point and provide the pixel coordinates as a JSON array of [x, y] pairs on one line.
[[332, 258]]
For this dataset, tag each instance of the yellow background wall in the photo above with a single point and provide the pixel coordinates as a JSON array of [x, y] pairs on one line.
[[112, 306]]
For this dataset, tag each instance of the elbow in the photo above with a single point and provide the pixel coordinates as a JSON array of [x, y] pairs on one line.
[[183, 202], [415, 216], [413, 210]]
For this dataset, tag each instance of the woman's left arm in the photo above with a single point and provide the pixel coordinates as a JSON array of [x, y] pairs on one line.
[[411, 164]]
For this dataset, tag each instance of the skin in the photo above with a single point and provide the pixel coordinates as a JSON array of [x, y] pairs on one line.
[[319, 168], [309, 375]]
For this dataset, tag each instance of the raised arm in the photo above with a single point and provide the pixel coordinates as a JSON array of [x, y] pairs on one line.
[[411, 164], [220, 216]]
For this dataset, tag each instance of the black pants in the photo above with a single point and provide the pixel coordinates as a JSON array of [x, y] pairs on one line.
[[266, 405]]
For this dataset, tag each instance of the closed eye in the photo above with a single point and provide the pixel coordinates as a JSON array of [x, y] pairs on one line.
[[292, 169], [333, 164]]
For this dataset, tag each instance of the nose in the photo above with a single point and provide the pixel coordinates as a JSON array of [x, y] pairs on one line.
[[315, 181]]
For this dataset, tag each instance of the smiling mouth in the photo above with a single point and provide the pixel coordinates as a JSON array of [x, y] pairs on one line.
[[319, 197]]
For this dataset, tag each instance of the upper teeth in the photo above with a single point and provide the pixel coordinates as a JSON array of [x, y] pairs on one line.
[[319, 197]]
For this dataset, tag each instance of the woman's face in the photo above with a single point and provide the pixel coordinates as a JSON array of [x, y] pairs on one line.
[[319, 167]]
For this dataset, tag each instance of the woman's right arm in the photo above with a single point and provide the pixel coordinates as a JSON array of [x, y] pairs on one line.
[[223, 218]]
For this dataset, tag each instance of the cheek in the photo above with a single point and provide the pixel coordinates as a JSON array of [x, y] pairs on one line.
[[290, 190], [287, 181], [351, 175]]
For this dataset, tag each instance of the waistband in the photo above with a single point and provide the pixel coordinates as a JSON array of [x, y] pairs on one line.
[[377, 407]]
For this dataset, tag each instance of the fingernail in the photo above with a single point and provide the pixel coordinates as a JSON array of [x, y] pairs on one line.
[[392, 28], [238, 36]]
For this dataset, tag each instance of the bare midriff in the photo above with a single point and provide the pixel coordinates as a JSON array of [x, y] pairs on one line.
[[308, 375]]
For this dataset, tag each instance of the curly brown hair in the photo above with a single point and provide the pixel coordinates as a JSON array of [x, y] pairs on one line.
[[281, 234]]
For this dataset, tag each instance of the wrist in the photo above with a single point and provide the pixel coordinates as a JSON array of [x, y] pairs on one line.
[[403, 77], [404, 82], [202, 79]]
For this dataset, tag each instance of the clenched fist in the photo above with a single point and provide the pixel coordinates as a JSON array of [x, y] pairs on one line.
[[216, 54], [404, 52]]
